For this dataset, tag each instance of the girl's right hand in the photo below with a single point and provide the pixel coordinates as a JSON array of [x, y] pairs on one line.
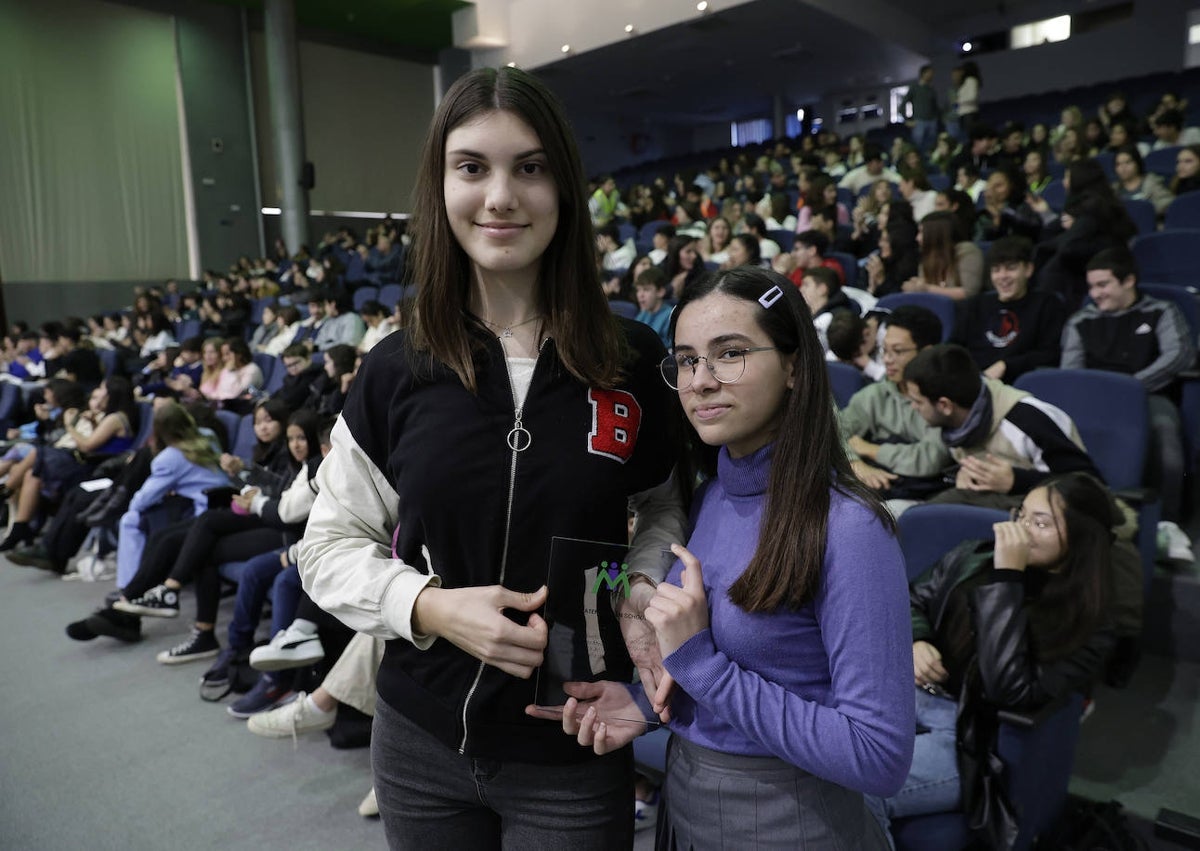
[[473, 620], [927, 664]]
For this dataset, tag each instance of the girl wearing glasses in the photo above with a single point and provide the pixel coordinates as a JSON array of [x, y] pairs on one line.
[[782, 624], [512, 408], [1014, 622]]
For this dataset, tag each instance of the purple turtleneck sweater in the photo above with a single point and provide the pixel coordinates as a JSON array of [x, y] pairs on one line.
[[828, 687]]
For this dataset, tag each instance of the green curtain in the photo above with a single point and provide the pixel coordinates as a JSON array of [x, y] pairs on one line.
[[91, 170]]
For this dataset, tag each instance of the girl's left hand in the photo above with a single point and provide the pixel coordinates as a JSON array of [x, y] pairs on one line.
[[678, 613]]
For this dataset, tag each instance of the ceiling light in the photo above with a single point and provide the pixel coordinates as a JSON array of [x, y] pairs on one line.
[[702, 6], [967, 47], [512, 64], [629, 28], [566, 48]]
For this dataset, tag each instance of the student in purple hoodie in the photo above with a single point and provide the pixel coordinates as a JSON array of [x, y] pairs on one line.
[[789, 694]]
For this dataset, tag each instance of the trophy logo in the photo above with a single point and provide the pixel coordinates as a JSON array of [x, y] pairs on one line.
[[613, 574]]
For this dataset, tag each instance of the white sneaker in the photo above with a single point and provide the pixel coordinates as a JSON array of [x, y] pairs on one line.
[[294, 647], [291, 719], [369, 806], [1173, 542]]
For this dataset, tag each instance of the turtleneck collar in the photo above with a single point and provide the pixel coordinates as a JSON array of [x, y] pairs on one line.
[[746, 476]]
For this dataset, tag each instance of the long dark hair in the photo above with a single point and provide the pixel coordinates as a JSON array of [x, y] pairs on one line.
[[585, 333], [121, 399], [938, 241], [1075, 599], [1092, 195], [808, 456]]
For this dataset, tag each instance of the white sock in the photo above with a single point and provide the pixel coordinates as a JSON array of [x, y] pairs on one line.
[[312, 704]]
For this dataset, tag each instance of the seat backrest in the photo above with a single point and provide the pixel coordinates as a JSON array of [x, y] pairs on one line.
[[356, 268], [145, 424], [943, 306], [1184, 212], [1055, 194], [927, 532], [1168, 257], [267, 364], [243, 445], [623, 308], [845, 380], [1162, 161], [1182, 297], [1143, 215], [390, 295], [849, 266], [785, 238], [232, 423], [1110, 411], [364, 294]]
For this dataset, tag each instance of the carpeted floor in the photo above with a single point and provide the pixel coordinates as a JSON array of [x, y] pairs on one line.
[[103, 748]]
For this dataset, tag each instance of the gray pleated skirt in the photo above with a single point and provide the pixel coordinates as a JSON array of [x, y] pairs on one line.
[[716, 800]]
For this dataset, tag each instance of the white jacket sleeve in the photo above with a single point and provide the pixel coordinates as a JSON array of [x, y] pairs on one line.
[[345, 558]]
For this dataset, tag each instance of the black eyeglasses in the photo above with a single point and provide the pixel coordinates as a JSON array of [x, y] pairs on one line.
[[726, 366]]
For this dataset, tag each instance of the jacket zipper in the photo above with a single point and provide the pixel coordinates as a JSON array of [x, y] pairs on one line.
[[518, 441]]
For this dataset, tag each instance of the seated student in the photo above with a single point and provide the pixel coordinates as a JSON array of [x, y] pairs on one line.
[[950, 265], [374, 316], [967, 179], [1006, 442], [1125, 331], [808, 252], [1187, 170], [251, 526], [1169, 131], [824, 297], [311, 326], [287, 320], [614, 254], [1031, 613], [852, 341], [756, 227], [743, 251], [662, 241], [239, 373], [1005, 211], [825, 221], [342, 326], [1011, 329], [889, 444], [1134, 184], [982, 151], [916, 190], [651, 289], [27, 362], [871, 170], [186, 371]]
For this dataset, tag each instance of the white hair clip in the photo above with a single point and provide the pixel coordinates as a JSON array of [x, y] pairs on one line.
[[771, 296]]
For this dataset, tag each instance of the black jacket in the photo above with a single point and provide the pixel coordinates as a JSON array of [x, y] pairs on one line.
[[484, 513]]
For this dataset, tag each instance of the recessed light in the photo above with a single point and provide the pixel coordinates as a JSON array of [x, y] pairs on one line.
[[566, 48], [629, 28], [702, 6]]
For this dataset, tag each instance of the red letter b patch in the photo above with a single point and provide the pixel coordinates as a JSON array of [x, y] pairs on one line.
[[616, 417]]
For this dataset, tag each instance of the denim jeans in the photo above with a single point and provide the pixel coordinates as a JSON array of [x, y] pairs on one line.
[[924, 135], [432, 797], [932, 785], [285, 599], [253, 587]]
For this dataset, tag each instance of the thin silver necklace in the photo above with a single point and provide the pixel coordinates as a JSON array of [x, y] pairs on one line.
[[506, 331]]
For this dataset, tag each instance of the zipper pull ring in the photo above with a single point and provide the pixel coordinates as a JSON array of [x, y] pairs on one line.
[[519, 438]]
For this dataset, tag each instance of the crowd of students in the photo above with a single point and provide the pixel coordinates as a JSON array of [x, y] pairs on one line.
[[743, 331]]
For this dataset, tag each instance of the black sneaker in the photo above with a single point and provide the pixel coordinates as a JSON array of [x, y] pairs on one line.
[[80, 631], [215, 683], [159, 602], [32, 555], [202, 645], [266, 694], [118, 625]]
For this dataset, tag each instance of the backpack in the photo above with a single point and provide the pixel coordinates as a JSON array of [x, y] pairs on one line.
[[1087, 825]]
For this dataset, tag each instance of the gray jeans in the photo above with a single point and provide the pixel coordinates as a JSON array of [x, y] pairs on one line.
[[432, 797]]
